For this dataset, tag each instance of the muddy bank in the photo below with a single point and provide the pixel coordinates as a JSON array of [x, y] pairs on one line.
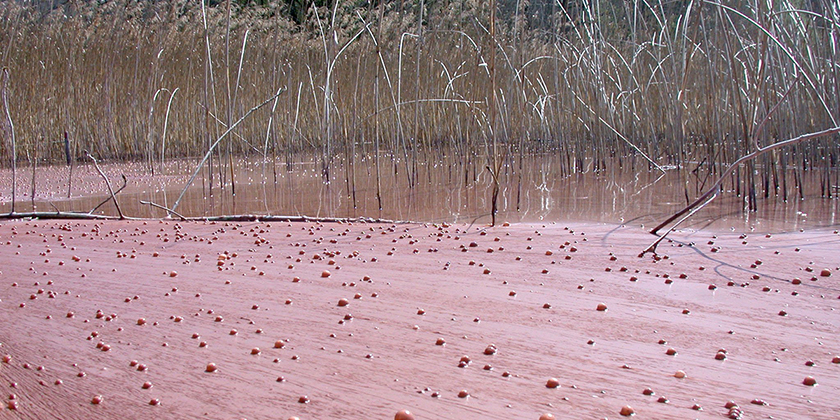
[[366, 320]]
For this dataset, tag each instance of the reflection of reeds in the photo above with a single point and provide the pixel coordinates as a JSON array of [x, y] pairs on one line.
[[687, 84]]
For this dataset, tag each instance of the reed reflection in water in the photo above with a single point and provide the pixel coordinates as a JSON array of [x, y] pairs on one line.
[[537, 189]]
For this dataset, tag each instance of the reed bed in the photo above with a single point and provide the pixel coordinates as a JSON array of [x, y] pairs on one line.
[[652, 85]]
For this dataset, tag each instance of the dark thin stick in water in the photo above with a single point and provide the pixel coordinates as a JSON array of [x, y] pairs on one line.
[[713, 190], [652, 247], [69, 162], [67, 149], [108, 183], [170, 211], [125, 183], [475, 220]]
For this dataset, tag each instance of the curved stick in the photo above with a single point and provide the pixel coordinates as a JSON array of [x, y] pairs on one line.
[[712, 191], [164, 208], [108, 183], [125, 183]]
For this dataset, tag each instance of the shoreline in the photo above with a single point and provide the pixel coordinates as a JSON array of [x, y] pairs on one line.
[[406, 287]]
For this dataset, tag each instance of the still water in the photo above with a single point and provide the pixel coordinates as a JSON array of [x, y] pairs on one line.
[[537, 189]]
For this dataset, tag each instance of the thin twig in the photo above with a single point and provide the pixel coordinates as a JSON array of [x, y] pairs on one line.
[[108, 183], [170, 211], [652, 247], [125, 183], [712, 191], [216, 143]]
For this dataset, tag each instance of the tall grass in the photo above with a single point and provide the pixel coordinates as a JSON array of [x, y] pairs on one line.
[[689, 85]]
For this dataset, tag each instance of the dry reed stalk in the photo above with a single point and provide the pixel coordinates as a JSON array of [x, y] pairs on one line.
[[216, 143], [11, 135], [715, 188], [166, 124], [107, 183]]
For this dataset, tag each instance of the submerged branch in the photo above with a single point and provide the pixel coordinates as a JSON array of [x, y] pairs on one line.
[[108, 183], [168, 210], [713, 190], [125, 183], [58, 215], [652, 247]]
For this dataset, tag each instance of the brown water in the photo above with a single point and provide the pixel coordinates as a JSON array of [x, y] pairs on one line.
[[447, 191]]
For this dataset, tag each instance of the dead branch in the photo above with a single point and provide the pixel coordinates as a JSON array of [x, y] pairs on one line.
[[229, 218], [168, 210], [60, 216], [711, 193], [107, 182], [125, 183]]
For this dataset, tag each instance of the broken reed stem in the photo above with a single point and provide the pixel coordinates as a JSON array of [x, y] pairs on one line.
[[712, 191], [165, 124], [652, 247], [125, 183], [108, 183], [12, 132], [168, 210], [216, 143]]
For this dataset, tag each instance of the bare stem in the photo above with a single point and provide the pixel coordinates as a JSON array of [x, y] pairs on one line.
[[712, 191], [216, 143], [108, 183], [168, 210], [125, 183], [12, 130]]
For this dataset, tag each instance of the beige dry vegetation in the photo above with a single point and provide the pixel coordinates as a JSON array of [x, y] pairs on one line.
[[646, 85]]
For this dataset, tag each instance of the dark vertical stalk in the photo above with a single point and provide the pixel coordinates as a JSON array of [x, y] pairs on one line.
[[33, 163], [69, 162], [784, 171]]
